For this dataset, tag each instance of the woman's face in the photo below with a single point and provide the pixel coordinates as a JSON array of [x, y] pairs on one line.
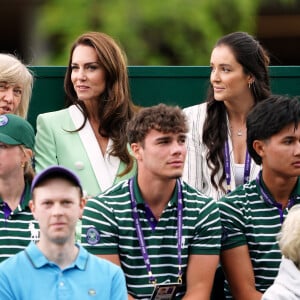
[[227, 76], [10, 97], [87, 75]]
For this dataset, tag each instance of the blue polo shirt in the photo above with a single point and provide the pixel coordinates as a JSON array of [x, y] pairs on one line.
[[29, 275]]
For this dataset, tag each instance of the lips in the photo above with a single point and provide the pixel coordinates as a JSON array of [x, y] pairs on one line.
[[6, 109], [218, 89], [82, 87], [176, 163]]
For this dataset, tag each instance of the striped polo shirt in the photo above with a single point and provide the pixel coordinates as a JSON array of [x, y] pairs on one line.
[[108, 228], [15, 229], [247, 219]]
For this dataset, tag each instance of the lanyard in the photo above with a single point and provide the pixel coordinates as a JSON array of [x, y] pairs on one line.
[[227, 167], [268, 199], [140, 234]]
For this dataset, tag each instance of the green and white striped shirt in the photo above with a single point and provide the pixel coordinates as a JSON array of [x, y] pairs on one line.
[[15, 232], [248, 220], [108, 228]]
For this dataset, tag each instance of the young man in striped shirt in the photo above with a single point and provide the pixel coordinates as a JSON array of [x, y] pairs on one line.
[[252, 215], [158, 228]]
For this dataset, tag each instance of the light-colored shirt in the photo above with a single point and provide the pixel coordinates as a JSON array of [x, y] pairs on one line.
[[29, 275]]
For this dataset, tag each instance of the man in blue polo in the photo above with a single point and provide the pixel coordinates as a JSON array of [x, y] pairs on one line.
[[163, 233], [55, 267]]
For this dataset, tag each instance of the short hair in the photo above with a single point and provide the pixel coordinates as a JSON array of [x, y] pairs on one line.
[[289, 236], [161, 117], [13, 71], [268, 118]]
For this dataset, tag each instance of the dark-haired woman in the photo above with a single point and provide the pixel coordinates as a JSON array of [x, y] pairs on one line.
[[89, 136], [217, 157]]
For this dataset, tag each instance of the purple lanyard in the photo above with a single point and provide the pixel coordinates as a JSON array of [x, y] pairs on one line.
[[227, 167], [140, 234], [270, 200]]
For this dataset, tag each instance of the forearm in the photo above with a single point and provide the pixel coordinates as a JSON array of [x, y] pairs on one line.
[[197, 293], [247, 294]]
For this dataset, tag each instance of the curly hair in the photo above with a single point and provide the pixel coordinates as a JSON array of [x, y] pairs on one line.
[[161, 117], [255, 61]]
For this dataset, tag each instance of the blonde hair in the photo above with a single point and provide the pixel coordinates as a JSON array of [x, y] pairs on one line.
[[13, 71], [289, 236]]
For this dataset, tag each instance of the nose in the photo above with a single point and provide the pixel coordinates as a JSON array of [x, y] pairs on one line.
[[81, 74], [57, 209], [297, 149], [179, 148], [9, 95], [214, 75]]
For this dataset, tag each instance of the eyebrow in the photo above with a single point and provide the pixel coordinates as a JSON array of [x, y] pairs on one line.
[[87, 63]]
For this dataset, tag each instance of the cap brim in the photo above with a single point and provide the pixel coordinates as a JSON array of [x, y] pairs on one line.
[[6, 139]]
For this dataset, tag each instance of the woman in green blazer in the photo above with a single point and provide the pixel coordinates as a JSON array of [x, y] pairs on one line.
[[89, 137]]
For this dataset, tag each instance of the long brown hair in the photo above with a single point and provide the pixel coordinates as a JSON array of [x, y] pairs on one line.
[[255, 61], [115, 107]]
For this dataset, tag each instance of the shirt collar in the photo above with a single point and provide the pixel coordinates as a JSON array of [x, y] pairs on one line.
[[38, 259], [140, 201]]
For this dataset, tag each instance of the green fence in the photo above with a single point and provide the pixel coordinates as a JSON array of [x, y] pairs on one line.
[[183, 86]]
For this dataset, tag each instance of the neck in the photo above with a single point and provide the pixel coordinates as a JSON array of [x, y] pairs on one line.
[[156, 193], [11, 190], [238, 111], [279, 187], [61, 254]]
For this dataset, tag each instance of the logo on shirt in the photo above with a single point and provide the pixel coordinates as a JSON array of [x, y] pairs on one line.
[[92, 236], [34, 232]]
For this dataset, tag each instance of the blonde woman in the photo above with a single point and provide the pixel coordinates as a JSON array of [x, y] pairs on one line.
[[16, 82]]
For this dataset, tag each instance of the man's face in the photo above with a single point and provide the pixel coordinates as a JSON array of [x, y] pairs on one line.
[[162, 155], [281, 153], [57, 206]]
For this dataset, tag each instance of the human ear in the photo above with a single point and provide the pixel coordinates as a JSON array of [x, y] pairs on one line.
[[259, 147]]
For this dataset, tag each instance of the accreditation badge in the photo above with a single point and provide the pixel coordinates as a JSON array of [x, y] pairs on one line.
[[165, 291]]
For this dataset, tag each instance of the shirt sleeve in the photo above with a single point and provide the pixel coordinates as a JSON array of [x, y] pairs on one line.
[[207, 238], [99, 228], [45, 150], [233, 223]]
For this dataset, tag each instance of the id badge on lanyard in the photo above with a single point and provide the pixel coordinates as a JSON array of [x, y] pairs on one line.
[[165, 291]]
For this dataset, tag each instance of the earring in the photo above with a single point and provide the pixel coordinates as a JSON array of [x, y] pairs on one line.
[[249, 84]]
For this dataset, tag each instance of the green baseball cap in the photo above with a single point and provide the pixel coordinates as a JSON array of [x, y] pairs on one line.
[[15, 130]]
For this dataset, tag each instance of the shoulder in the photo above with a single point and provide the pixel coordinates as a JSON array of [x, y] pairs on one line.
[[11, 264], [117, 195], [193, 197], [243, 197], [54, 114], [195, 111]]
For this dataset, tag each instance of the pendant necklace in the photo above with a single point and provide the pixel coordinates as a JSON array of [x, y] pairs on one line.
[[239, 132]]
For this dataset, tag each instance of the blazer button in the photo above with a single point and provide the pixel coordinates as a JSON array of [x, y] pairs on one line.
[[79, 165]]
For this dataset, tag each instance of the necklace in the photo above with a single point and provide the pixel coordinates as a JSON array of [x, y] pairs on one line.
[[239, 132]]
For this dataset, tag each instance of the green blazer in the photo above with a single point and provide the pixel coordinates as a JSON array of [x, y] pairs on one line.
[[79, 151]]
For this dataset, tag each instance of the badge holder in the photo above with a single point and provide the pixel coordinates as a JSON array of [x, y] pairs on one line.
[[165, 291]]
